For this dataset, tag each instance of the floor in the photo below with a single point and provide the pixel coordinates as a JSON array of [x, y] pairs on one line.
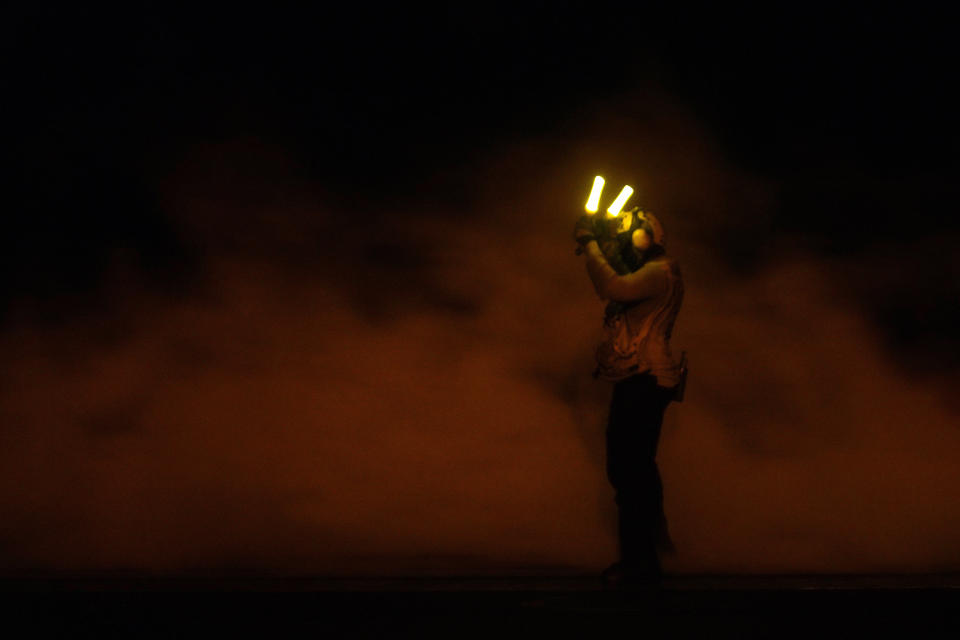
[[474, 607]]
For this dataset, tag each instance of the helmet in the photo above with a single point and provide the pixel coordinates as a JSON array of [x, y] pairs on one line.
[[646, 220]]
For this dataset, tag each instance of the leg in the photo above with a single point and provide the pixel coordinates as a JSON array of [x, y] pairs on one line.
[[633, 433]]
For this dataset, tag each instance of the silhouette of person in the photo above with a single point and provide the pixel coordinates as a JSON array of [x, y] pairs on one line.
[[645, 290]]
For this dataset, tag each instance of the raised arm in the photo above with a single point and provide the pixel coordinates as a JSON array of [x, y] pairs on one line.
[[648, 281]]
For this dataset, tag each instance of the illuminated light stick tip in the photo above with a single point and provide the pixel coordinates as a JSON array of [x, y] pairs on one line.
[[621, 200], [593, 202]]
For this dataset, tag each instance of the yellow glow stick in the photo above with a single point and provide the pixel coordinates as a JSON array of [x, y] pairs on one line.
[[621, 200], [593, 202]]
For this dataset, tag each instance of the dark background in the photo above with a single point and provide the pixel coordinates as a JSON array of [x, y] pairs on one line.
[[325, 153], [850, 110]]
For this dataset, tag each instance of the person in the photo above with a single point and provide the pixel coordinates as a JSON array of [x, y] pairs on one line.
[[644, 288]]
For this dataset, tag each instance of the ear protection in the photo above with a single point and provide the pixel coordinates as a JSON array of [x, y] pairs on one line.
[[645, 218]]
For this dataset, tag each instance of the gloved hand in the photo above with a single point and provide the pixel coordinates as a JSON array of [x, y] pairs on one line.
[[604, 231], [585, 229]]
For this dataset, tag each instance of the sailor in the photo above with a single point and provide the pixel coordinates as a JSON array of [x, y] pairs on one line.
[[644, 290]]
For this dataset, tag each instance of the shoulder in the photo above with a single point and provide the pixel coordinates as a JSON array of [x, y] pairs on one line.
[[653, 278], [663, 273], [667, 265], [663, 266]]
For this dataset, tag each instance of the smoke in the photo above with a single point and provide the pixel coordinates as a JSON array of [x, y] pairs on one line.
[[349, 390]]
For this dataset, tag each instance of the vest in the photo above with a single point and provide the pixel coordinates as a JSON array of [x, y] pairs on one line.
[[636, 336]]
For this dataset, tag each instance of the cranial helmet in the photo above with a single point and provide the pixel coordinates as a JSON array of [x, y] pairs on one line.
[[643, 219]]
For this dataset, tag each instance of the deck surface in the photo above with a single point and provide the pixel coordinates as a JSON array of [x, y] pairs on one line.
[[473, 607]]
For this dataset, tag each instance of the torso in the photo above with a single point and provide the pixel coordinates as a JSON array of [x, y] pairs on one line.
[[637, 335]]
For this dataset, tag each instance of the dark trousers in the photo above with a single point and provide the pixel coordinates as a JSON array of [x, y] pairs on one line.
[[633, 432]]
